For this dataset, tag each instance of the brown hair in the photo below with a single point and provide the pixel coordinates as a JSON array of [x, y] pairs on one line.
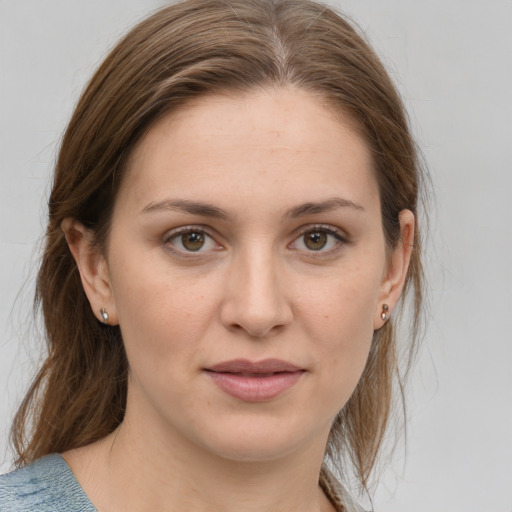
[[186, 50]]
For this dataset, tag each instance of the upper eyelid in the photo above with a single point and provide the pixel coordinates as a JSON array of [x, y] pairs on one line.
[[340, 234], [321, 227], [176, 232], [187, 229], [296, 232]]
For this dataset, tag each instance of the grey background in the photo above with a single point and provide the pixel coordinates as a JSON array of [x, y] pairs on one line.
[[452, 62]]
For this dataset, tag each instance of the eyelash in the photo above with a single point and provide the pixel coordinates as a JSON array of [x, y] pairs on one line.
[[341, 240], [176, 233]]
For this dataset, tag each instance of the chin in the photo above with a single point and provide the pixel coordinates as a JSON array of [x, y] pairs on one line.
[[264, 441]]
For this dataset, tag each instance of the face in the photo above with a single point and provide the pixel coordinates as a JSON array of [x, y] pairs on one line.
[[247, 268]]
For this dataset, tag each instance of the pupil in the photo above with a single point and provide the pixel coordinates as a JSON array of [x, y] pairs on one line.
[[193, 241], [316, 240]]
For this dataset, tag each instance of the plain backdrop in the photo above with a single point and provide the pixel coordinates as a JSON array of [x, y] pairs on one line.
[[452, 62]]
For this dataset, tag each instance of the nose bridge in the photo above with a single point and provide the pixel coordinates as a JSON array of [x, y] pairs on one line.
[[255, 299]]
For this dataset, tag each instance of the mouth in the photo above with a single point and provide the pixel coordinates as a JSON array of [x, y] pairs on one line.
[[255, 381], [264, 367]]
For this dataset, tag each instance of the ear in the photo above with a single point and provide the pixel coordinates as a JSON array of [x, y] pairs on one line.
[[396, 270], [93, 269]]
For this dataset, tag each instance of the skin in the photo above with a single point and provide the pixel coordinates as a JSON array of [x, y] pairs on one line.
[[254, 290]]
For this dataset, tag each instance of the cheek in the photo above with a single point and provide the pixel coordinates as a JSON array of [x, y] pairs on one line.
[[341, 317], [162, 316], [342, 305]]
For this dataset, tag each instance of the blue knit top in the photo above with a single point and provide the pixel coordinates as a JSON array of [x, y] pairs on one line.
[[46, 485]]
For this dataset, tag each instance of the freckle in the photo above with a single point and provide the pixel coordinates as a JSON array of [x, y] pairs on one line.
[[326, 316]]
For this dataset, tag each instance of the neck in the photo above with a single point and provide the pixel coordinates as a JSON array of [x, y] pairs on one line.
[[143, 466], [181, 474]]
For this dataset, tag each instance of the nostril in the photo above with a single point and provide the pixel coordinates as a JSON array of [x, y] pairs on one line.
[[254, 301], [261, 331]]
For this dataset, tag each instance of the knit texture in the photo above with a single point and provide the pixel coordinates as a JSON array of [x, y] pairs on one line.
[[46, 485]]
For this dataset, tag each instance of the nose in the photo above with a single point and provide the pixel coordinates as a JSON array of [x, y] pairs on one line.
[[254, 295]]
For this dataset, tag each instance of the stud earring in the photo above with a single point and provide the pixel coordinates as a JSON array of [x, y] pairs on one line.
[[104, 316], [384, 314]]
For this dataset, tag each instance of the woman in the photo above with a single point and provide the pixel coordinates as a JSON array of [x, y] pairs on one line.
[[233, 222]]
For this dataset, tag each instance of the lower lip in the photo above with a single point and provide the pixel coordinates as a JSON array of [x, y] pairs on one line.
[[254, 388]]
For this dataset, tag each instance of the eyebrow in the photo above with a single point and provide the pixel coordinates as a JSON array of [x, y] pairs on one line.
[[210, 210], [192, 207], [311, 208]]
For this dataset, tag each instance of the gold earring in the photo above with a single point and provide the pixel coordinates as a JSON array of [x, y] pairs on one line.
[[104, 316], [384, 314]]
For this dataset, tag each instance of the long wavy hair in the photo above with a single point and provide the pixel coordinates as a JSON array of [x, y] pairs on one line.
[[183, 51]]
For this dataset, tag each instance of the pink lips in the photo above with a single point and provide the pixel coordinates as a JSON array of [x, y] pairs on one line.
[[255, 381]]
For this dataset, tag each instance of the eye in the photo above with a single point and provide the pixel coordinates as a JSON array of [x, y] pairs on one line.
[[319, 239], [190, 240]]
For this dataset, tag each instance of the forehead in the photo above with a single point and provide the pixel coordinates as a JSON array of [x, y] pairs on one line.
[[277, 145]]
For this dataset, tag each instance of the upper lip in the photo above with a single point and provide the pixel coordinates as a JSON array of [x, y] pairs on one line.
[[255, 367]]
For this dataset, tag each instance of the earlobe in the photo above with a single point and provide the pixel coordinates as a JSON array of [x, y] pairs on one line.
[[93, 270], [396, 271]]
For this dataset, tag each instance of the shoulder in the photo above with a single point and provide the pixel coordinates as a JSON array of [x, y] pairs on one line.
[[46, 485]]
